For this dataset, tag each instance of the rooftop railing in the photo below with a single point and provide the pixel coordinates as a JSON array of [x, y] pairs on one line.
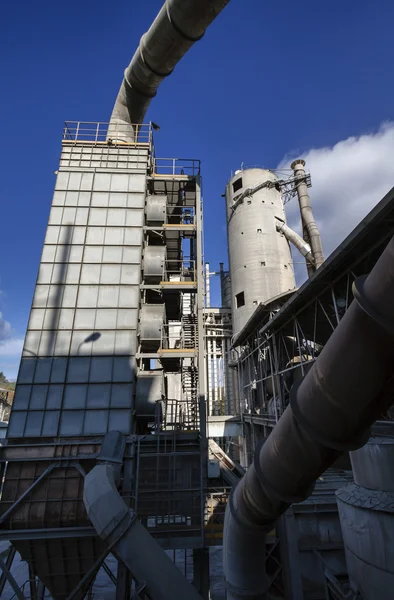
[[189, 167], [100, 132]]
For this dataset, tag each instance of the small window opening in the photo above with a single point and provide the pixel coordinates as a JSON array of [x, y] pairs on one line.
[[237, 185], [240, 299], [255, 302], [259, 231], [249, 202], [263, 263]]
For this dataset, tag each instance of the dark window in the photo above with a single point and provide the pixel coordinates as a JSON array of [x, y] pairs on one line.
[[240, 299], [237, 185]]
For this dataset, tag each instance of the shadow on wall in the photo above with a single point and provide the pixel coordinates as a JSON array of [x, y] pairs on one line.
[[78, 373]]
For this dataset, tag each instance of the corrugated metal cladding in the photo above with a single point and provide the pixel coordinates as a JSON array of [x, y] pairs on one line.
[[78, 367]]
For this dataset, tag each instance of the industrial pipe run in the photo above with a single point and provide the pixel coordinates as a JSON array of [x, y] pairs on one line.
[[302, 246], [348, 387], [311, 230], [156, 574], [179, 24]]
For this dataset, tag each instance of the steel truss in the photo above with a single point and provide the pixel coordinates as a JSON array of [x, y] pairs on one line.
[[282, 346]]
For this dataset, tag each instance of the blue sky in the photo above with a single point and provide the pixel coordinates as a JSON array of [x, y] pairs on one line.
[[269, 79]]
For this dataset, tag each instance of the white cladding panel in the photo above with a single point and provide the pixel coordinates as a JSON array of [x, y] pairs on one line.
[[77, 373]]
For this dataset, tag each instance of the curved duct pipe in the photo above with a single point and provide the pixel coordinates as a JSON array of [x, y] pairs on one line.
[[348, 387], [308, 221], [178, 25], [296, 240], [125, 536]]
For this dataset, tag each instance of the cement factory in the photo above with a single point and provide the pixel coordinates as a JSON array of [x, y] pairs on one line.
[[184, 451]]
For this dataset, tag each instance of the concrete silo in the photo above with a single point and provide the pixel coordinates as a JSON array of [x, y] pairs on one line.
[[260, 261]]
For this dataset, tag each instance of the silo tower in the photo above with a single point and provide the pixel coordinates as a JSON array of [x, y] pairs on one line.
[[260, 260]]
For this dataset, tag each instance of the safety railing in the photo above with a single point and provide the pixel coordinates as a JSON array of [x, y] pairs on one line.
[[179, 270], [181, 414], [177, 167], [110, 133]]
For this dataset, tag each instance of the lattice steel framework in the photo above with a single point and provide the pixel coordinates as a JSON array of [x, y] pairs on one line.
[[282, 340]]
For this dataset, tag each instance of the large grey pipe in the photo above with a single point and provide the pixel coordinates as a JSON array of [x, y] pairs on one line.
[[179, 24], [349, 386], [308, 221], [125, 536], [302, 246]]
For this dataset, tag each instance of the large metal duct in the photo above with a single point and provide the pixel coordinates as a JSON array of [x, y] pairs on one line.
[[117, 525], [302, 246], [178, 25], [348, 387]]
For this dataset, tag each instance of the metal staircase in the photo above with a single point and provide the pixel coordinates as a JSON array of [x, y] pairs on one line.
[[190, 393]]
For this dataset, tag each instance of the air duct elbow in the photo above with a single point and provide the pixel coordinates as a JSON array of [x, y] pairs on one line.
[[125, 536], [179, 24], [302, 246]]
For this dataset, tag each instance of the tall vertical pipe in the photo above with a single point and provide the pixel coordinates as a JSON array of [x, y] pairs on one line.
[[207, 286], [209, 358], [312, 233], [349, 386], [215, 375]]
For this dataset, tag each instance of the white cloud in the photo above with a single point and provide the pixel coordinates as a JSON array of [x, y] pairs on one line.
[[10, 354], [11, 347], [348, 180], [5, 328]]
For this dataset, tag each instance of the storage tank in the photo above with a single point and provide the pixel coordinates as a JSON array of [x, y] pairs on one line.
[[260, 261], [366, 511]]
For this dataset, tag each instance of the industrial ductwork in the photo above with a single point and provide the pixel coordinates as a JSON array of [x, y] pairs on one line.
[[179, 24], [125, 536], [296, 240], [311, 230], [330, 411]]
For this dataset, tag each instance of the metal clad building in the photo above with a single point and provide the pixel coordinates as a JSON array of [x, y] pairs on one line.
[[78, 366], [115, 342]]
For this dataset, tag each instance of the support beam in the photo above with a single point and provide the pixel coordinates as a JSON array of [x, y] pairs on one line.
[[11, 580], [201, 572]]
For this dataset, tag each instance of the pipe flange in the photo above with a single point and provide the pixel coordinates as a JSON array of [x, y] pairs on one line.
[[363, 302], [252, 528], [157, 73], [267, 485], [302, 421], [179, 30]]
